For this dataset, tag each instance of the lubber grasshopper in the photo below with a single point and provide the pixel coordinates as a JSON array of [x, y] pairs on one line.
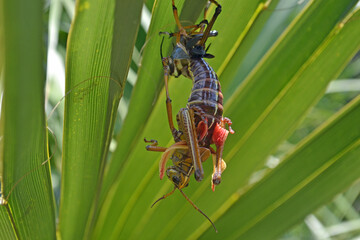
[[201, 123], [180, 153], [206, 99]]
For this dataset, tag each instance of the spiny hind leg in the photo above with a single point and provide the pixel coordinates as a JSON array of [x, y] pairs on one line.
[[202, 126], [186, 122]]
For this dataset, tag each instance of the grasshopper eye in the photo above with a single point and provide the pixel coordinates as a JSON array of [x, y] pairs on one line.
[[174, 176], [178, 155], [176, 180]]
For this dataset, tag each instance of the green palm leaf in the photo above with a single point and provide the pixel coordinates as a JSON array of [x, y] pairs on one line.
[[90, 108], [24, 173]]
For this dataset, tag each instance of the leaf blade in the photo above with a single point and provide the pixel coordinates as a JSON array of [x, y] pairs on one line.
[[25, 172], [102, 56]]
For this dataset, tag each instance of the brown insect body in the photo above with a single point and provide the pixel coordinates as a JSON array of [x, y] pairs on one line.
[[205, 102], [201, 123], [187, 59], [206, 97]]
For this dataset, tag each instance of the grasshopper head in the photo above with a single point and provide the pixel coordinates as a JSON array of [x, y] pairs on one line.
[[179, 179]]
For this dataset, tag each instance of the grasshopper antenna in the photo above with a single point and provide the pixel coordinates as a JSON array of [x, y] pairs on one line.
[[162, 41], [188, 199], [161, 45], [207, 47], [165, 196], [198, 209]]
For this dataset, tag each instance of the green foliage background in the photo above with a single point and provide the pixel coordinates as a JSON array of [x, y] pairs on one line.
[[297, 139]]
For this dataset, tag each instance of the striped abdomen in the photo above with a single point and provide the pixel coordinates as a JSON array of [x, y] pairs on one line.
[[206, 92]]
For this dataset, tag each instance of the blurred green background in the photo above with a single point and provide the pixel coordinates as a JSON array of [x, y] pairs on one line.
[[337, 219]]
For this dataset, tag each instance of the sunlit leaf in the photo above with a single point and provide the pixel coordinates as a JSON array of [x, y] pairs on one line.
[[98, 58], [27, 210]]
